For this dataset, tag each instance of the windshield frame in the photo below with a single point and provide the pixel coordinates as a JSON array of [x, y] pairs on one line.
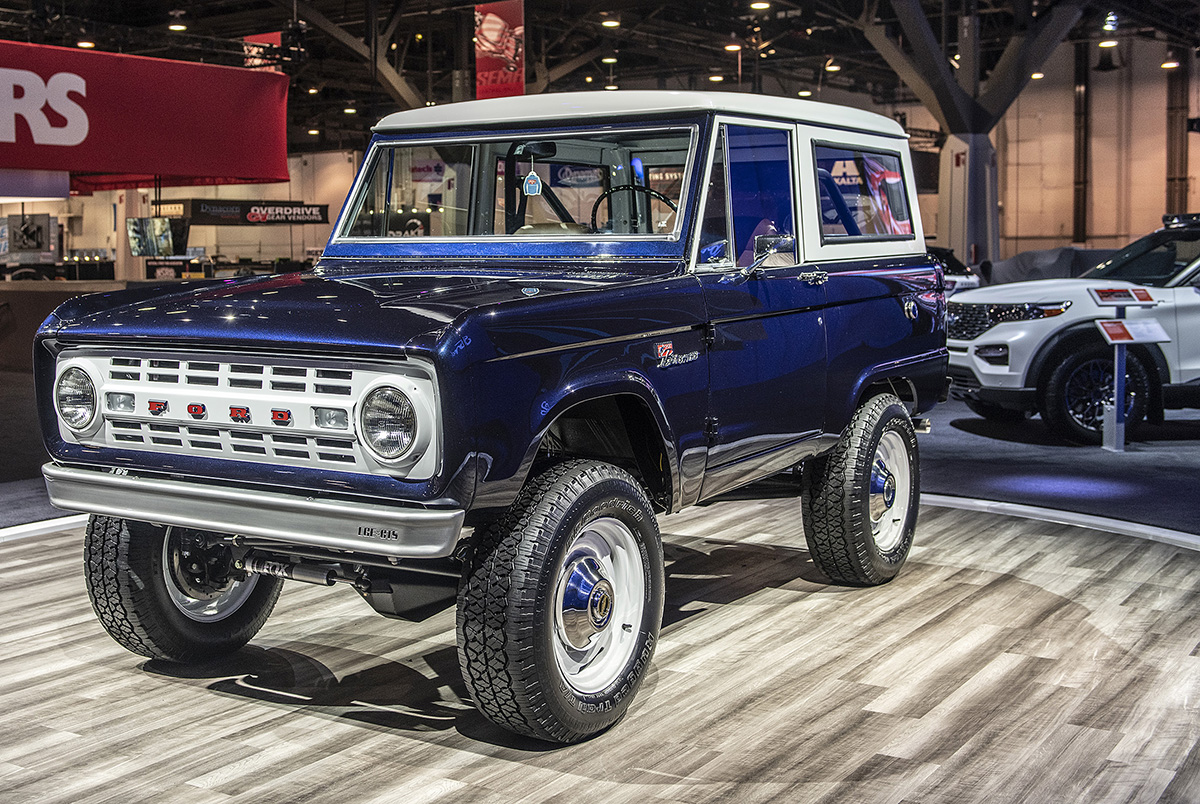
[[1180, 277], [533, 245]]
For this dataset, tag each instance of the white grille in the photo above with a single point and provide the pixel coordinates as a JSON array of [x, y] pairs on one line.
[[249, 408]]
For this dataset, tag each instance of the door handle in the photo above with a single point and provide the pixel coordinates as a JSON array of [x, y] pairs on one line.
[[815, 277]]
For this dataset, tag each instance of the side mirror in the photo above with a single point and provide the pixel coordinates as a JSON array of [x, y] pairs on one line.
[[765, 246]]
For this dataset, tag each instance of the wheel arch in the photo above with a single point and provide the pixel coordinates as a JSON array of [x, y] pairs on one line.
[[623, 424], [1085, 332]]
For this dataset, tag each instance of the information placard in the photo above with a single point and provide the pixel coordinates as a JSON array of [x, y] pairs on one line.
[[1122, 297], [1140, 330]]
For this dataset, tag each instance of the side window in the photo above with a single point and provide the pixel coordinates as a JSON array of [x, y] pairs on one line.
[[760, 190], [714, 224], [862, 194]]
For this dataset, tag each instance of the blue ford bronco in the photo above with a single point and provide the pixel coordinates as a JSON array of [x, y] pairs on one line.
[[539, 324]]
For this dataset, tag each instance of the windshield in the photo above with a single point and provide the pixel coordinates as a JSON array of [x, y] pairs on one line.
[[550, 185], [1154, 260]]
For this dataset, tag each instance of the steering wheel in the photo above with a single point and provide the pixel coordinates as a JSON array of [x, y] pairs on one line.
[[637, 187]]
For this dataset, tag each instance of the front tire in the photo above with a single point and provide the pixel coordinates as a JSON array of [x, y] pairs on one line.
[[561, 602], [1082, 384], [859, 502], [146, 587]]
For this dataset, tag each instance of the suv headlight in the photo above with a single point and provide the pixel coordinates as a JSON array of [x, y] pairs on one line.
[[1003, 313], [389, 422], [75, 398]]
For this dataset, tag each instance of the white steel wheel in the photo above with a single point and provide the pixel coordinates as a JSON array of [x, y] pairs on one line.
[[599, 598], [890, 491], [187, 577]]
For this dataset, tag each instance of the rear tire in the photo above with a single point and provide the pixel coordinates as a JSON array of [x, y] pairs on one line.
[[146, 599], [561, 602], [859, 502]]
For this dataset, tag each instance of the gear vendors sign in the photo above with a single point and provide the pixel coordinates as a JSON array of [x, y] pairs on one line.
[[120, 121]]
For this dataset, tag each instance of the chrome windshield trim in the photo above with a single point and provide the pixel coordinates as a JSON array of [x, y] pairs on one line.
[[385, 530]]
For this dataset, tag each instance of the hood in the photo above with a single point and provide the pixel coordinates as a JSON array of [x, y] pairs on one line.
[[1040, 291], [363, 313]]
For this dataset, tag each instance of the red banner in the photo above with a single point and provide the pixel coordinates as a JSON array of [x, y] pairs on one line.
[[119, 121], [500, 49]]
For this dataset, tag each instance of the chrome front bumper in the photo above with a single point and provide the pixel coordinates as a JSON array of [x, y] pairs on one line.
[[384, 530]]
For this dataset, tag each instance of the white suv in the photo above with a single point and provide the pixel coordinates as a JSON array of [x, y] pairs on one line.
[[1030, 347]]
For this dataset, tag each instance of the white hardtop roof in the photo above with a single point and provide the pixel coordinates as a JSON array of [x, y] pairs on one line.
[[584, 106]]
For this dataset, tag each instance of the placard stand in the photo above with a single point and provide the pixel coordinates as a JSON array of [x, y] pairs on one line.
[[1120, 334]]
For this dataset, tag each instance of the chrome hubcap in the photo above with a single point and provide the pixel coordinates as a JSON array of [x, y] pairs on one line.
[[890, 495], [599, 601]]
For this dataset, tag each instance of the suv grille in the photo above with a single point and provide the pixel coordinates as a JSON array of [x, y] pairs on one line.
[[965, 322], [250, 408]]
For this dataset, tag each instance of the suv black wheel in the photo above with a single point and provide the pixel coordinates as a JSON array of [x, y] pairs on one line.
[[561, 602], [1079, 387], [995, 413], [859, 502], [163, 593]]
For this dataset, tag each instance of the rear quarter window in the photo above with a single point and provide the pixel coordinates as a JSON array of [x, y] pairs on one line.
[[862, 194]]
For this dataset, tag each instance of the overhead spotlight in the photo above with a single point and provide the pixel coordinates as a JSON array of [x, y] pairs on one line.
[[177, 23], [610, 87], [611, 22], [587, 79], [1109, 43], [1171, 63], [350, 110], [1110, 21], [716, 79], [313, 90], [830, 66], [314, 131], [85, 43], [760, 6], [805, 93], [1037, 76], [609, 60], [733, 45]]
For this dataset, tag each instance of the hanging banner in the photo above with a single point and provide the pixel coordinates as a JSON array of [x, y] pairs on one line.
[[118, 121], [253, 47], [500, 49], [222, 212]]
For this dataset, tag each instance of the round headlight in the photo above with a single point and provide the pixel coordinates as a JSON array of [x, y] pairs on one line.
[[389, 422], [76, 398]]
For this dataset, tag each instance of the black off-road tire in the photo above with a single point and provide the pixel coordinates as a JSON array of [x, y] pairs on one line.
[[1062, 402], [127, 583], [506, 621], [835, 497], [995, 413]]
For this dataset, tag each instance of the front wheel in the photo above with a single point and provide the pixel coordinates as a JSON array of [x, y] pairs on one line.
[[168, 593], [561, 602], [1079, 387], [859, 502]]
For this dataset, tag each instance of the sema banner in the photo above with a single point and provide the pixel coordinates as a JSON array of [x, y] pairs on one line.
[[500, 49]]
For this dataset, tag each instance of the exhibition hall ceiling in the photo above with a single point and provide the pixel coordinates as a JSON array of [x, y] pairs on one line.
[[339, 54]]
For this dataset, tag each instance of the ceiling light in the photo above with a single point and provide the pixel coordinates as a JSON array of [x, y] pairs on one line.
[[830, 67], [313, 90], [177, 23], [805, 93], [85, 43], [587, 79], [609, 60], [314, 131], [1109, 43], [716, 79], [611, 22], [1170, 63], [760, 6], [1037, 76], [733, 46], [610, 87], [1110, 21], [350, 110], [176, 26]]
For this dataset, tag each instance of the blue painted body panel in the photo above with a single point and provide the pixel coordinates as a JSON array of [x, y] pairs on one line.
[[519, 332]]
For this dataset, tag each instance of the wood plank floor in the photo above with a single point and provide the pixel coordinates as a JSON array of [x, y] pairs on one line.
[[1012, 661]]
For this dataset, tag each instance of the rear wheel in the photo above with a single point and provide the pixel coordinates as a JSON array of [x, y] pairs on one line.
[[859, 502], [561, 602], [167, 594]]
